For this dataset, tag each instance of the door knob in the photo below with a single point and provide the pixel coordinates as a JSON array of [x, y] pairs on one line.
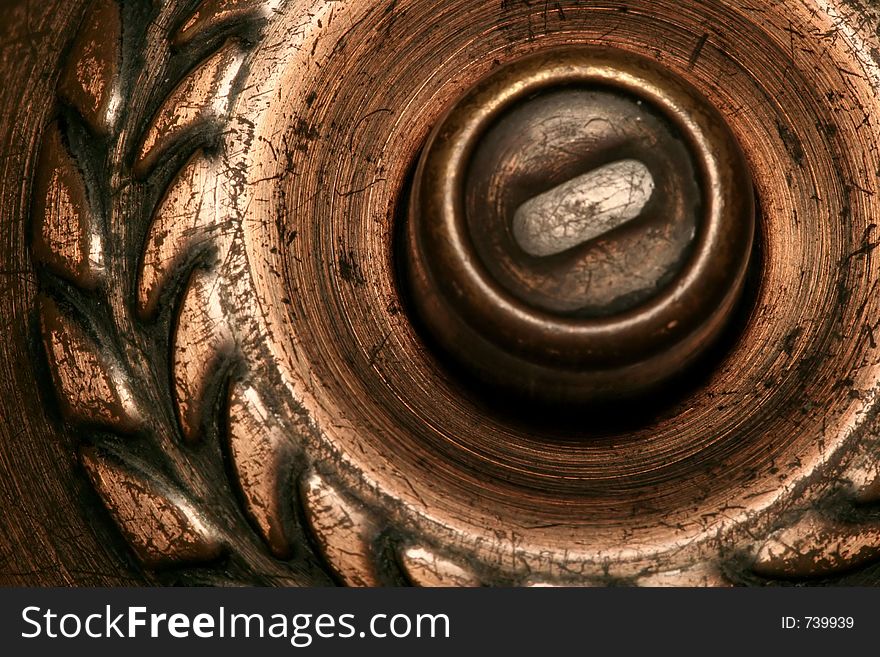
[[442, 293]]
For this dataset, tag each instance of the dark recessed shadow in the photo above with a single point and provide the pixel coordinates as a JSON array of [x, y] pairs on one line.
[[577, 422]]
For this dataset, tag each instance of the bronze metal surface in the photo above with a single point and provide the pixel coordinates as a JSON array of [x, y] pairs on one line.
[[601, 318], [219, 368]]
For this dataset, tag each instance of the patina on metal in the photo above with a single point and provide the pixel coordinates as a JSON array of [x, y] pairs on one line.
[[580, 227], [216, 366]]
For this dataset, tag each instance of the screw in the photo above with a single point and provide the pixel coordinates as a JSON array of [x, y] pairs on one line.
[[580, 226]]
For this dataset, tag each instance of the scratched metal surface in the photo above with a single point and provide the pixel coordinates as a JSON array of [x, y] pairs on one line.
[[210, 370], [48, 528]]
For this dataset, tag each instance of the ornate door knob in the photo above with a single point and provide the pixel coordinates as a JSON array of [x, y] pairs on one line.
[[442, 293]]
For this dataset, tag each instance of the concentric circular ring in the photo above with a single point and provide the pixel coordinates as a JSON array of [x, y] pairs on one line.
[[330, 153], [559, 357]]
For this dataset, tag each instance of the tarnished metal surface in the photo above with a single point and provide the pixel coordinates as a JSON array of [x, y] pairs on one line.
[[607, 316], [215, 370]]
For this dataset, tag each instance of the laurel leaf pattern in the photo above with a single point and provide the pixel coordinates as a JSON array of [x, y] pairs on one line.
[[90, 83], [701, 575], [161, 525], [261, 454], [203, 343], [189, 221], [183, 246], [424, 567], [344, 530], [863, 472], [818, 546], [92, 388], [202, 99], [65, 238], [212, 14]]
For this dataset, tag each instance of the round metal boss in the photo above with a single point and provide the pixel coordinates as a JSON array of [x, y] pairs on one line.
[[580, 226]]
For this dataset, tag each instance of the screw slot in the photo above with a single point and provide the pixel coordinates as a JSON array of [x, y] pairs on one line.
[[584, 208]]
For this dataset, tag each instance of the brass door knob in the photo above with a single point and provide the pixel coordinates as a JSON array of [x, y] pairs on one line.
[[580, 228], [440, 292]]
